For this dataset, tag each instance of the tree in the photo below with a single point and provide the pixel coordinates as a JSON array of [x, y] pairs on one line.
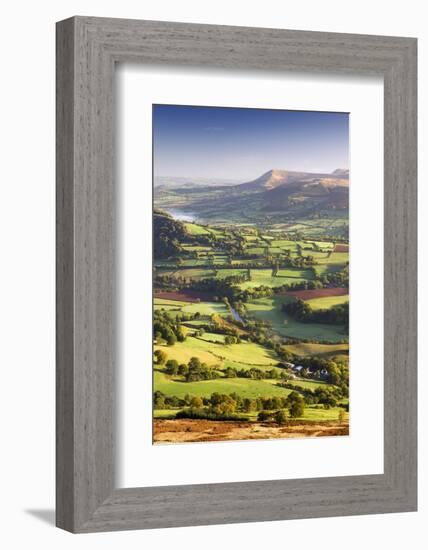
[[194, 363], [222, 404], [249, 405], [281, 417], [180, 334], [230, 372], [160, 357], [196, 402], [183, 369], [159, 402], [296, 405], [171, 339], [172, 367], [334, 373]]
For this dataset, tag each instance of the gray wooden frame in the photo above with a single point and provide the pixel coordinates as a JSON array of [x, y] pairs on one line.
[[87, 50]]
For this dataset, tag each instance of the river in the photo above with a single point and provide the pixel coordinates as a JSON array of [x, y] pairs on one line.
[[236, 315], [180, 215]]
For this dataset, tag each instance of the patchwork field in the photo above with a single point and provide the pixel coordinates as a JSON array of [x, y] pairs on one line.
[[224, 346]]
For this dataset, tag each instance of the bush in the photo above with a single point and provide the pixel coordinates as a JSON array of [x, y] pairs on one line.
[[208, 414]]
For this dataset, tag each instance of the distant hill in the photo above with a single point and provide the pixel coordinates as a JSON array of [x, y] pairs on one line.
[[341, 173], [296, 194], [282, 178], [179, 181]]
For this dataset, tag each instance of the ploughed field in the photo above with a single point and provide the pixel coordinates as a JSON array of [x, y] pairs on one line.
[[226, 323]]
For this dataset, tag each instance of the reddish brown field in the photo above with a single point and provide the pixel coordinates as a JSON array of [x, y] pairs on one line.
[[184, 431], [318, 293], [182, 296], [341, 248]]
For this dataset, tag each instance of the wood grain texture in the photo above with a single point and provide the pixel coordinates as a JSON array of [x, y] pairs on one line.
[[87, 49]]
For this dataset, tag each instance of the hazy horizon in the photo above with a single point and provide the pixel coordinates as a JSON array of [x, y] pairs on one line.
[[243, 143]]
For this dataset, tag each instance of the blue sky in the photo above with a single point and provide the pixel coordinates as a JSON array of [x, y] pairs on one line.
[[242, 144]]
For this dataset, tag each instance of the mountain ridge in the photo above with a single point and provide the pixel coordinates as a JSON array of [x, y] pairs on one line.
[[291, 193], [275, 178]]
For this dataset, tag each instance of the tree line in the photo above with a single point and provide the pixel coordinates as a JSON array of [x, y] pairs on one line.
[[302, 311], [228, 406]]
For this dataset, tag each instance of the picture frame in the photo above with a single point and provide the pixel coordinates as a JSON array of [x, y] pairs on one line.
[[87, 50]]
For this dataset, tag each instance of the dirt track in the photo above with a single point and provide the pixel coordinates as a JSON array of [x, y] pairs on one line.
[[182, 431]]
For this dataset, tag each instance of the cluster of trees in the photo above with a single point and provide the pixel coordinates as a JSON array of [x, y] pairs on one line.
[[167, 328], [222, 288], [294, 403], [167, 234], [228, 406], [196, 371], [326, 396], [208, 414], [193, 371], [256, 374], [228, 340], [162, 401], [303, 312], [336, 278], [217, 406]]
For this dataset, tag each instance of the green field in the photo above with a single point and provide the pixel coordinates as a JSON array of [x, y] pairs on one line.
[[328, 268], [242, 386], [215, 353], [195, 229], [306, 349], [196, 248], [284, 244], [165, 302], [167, 307], [269, 309], [308, 384], [328, 301], [223, 273], [264, 277], [212, 337], [256, 250], [335, 258], [205, 309], [312, 413]]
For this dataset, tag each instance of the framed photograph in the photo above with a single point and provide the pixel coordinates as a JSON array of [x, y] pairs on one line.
[[236, 274]]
